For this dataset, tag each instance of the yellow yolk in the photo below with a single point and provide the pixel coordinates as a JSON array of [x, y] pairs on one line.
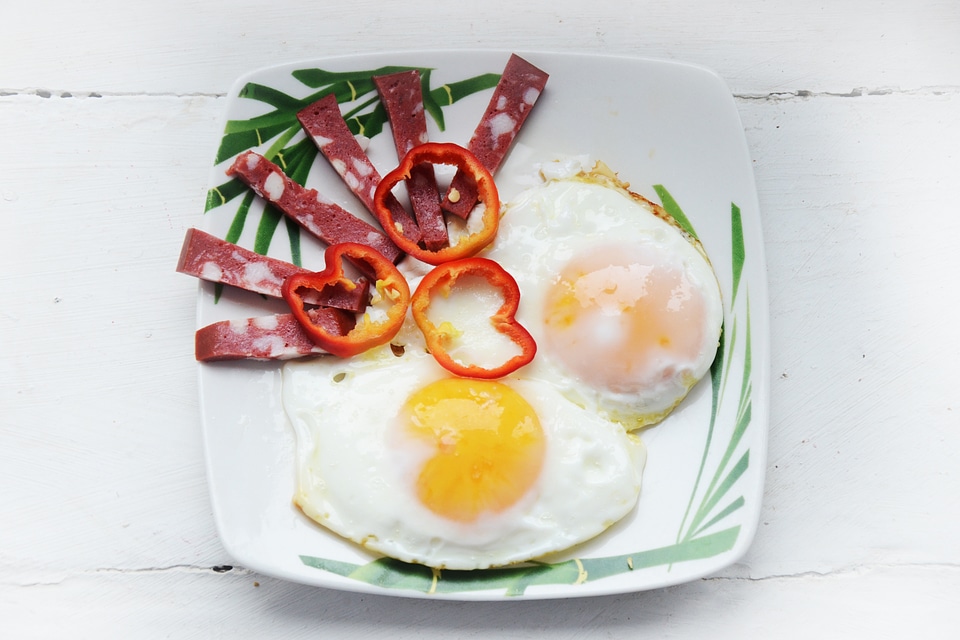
[[487, 446], [624, 317]]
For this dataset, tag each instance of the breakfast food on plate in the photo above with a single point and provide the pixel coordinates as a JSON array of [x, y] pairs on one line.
[[624, 305], [323, 122], [512, 101], [273, 337], [467, 312], [329, 222], [383, 316], [209, 258], [402, 98], [490, 416], [456, 473], [464, 237]]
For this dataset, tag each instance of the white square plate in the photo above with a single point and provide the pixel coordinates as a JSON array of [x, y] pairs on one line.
[[668, 129]]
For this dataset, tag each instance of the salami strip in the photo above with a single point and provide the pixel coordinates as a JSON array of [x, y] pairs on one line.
[[323, 122], [354, 300], [327, 221], [209, 258], [403, 100], [276, 337], [513, 99]]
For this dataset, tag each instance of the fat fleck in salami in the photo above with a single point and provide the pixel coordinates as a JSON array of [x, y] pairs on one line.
[[209, 258], [327, 221], [324, 123], [513, 99], [276, 337], [403, 100]]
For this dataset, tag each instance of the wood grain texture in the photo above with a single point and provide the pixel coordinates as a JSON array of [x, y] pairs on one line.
[[181, 603], [859, 230], [100, 423], [105, 524], [185, 46]]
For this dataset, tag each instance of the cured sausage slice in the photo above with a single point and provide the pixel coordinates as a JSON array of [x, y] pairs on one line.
[[326, 220], [324, 123], [402, 98], [276, 337], [513, 99], [209, 258]]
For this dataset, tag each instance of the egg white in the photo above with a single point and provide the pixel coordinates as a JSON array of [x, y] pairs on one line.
[[357, 473]]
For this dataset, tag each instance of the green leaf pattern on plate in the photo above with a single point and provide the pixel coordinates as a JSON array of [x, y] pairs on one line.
[[393, 574], [280, 127], [699, 532]]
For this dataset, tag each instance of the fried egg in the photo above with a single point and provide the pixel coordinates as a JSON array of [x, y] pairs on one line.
[[405, 460], [623, 303]]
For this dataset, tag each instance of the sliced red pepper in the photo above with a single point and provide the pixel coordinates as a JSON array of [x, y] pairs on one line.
[[440, 281], [448, 154], [368, 333]]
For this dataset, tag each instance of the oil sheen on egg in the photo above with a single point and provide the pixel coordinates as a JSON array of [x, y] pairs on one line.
[[402, 458], [624, 305]]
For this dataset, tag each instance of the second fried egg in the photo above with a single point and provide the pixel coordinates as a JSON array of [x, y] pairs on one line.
[[623, 303]]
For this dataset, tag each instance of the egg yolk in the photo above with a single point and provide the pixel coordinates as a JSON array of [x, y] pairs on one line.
[[624, 317], [486, 446]]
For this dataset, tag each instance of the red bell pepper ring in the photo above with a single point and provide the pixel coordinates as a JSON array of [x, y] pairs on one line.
[[445, 153], [368, 333], [440, 281]]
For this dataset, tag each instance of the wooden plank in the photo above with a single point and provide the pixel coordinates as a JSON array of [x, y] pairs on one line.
[[860, 229], [100, 418], [189, 47], [184, 603]]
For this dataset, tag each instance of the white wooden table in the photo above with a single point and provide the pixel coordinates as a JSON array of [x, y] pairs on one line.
[[108, 118]]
